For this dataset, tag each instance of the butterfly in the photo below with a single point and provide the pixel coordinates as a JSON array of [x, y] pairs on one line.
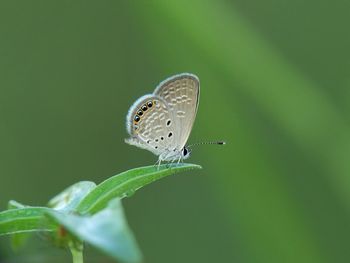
[[161, 122]]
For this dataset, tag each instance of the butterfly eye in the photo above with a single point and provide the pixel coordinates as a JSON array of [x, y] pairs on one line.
[[144, 107], [149, 104], [185, 151]]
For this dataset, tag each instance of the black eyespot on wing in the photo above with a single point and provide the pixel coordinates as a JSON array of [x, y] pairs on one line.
[[156, 140], [144, 107], [170, 134], [148, 141], [149, 104], [140, 113], [162, 138], [136, 118], [168, 122], [156, 147]]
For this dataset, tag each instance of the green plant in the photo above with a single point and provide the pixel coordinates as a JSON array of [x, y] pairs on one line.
[[86, 212]]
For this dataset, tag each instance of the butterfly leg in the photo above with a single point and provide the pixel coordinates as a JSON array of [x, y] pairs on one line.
[[168, 165], [158, 163], [171, 163], [179, 160]]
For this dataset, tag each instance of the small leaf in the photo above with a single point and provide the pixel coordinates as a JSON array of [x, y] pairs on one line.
[[71, 197], [107, 231], [126, 183], [23, 220]]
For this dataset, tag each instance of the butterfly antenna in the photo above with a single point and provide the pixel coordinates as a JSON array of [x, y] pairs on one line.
[[201, 143]]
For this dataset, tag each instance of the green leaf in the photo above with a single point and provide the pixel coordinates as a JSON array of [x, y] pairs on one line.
[[23, 220], [126, 183], [107, 231], [68, 199], [18, 240]]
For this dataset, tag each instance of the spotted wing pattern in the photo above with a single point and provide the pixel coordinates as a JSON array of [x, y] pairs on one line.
[[181, 93], [149, 124]]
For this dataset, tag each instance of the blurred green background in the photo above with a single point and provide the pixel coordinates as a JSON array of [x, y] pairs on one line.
[[275, 85]]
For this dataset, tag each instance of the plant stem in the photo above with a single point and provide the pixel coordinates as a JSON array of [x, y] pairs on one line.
[[77, 254]]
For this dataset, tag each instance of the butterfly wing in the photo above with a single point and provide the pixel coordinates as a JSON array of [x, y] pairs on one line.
[[147, 124], [181, 94]]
